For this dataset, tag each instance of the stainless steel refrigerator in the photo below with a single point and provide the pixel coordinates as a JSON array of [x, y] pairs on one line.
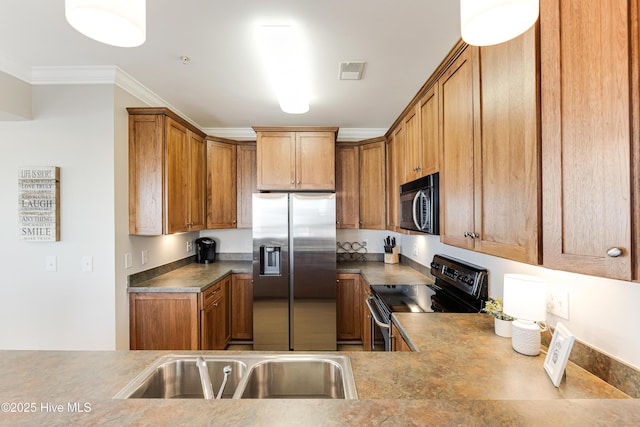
[[294, 271]]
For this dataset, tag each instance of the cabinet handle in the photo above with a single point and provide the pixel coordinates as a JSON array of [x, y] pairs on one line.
[[614, 252], [471, 234]]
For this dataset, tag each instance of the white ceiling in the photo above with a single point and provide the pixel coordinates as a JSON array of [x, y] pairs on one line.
[[223, 86]]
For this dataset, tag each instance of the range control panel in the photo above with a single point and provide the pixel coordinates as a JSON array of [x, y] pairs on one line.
[[468, 278]]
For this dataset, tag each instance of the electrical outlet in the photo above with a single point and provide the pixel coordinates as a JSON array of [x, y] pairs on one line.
[[145, 256], [558, 302], [189, 246], [128, 260], [415, 249]]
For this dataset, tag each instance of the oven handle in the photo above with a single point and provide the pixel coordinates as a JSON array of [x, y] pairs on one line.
[[374, 314], [416, 198]]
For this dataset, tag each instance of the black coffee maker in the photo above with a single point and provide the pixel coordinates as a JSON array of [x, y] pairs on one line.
[[205, 250]]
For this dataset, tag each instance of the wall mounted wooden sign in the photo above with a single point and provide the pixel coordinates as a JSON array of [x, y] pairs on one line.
[[39, 203]]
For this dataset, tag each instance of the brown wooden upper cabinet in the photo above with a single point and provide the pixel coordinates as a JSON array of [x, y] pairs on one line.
[[360, 184], [395, 165], [589, 112], [372, 185], [296, 158], [347, 185], [491, 149], [166, 173], [221, 184], [246, 183]]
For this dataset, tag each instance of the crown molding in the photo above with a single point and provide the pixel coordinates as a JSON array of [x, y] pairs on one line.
[[111, 74], [359, 134]]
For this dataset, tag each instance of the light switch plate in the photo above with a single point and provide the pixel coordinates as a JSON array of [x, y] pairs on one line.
[[144, 256], [87, 263], [51, 263], [128, 260]]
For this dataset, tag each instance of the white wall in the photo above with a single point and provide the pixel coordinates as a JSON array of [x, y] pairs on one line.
[[68, 309], [603, 313], [82, 129]]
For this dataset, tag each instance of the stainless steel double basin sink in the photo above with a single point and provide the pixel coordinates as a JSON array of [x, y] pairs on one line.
[[245, 376]]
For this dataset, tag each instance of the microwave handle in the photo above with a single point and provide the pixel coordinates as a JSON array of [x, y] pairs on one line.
[[416, 198]]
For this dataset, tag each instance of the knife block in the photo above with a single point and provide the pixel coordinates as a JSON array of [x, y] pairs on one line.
[[392, 258]]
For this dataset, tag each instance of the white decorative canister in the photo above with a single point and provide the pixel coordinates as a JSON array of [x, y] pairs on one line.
[[503, 328]]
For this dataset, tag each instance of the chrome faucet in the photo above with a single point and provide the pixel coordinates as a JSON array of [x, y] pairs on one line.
[[205, 379]]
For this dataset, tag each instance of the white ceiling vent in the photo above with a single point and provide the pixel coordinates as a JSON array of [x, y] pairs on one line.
[[351, 70]]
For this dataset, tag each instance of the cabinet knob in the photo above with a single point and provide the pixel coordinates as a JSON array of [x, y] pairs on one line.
[[298, 182], [614, 252], [293, 182]]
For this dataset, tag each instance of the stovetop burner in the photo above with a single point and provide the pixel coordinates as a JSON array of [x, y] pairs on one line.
[[404, 298]]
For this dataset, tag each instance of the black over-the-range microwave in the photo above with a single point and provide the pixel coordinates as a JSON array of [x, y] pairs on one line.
[[419, 207]]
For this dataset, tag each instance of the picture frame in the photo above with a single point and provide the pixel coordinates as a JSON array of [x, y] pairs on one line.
[[558, 354]]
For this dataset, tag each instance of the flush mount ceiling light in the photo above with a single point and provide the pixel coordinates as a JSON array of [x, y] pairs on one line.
[[489, 22], [119, 23], [283, 56]]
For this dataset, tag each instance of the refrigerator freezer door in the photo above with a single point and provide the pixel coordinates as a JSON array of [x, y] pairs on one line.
[[313, 271], [270, 275]]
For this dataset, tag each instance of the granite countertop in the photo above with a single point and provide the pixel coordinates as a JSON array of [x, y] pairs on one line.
[[463, 375], [196, 277], [379, 273], [193, 277]]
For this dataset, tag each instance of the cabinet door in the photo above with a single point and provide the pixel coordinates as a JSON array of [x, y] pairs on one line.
[[394, 162], [458, 98], [146, 178], [246, 184], [276, 160], [315, 161], [585, 107], [398, 343], [197, 182], [163, 321], [178, 175], [413, 150], [392, 193], [507, 188], [372, 186], [212, 323], [221, 185], [242, 307], [347, 186], [349, 307], [215, 325], [365, 292], [429, 114]]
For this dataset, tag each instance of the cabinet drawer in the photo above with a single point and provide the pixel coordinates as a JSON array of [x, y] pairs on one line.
[[211, 294]]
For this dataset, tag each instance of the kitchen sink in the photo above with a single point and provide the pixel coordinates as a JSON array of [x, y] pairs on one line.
[[178, 377], [285, 378], [252, 376]]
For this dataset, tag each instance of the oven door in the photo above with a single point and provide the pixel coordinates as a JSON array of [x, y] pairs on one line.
[[378, 322]]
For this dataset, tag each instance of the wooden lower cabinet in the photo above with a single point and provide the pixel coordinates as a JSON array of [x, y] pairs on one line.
[[215, 328], [181, 320], [164, 321], [242, 307], [348, 307], [397, 342], [365, 292]]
